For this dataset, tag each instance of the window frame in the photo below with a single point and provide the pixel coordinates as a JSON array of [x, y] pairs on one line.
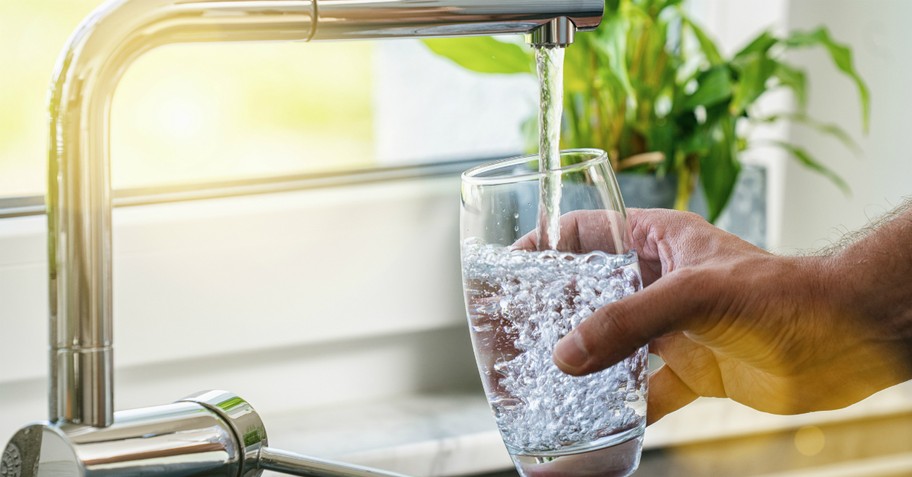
[[32, 205]]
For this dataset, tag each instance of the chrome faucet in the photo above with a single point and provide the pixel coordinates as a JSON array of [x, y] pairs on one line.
[[220, 434]]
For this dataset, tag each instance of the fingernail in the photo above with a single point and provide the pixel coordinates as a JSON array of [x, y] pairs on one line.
[[570, 352]]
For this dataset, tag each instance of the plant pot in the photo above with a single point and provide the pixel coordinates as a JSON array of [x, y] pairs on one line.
[[745, 215], [646, 191]]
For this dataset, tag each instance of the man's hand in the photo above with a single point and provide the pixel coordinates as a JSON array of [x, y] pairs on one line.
[[779, 334]]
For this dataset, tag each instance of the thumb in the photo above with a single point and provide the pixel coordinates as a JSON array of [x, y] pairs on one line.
[[617, 330]]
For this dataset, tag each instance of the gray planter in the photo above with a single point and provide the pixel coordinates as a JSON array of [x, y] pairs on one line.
[[645, 191], [744, 216]]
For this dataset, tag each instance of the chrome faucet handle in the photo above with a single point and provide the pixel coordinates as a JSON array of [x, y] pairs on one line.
[[212, 433]]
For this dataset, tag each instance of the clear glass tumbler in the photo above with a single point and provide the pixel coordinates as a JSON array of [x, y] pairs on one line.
[[522, 298]]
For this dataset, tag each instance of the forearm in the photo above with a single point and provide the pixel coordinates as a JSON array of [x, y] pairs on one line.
[[873, 278]]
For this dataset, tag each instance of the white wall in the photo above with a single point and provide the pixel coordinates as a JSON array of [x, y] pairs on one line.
[[816, 213], [733, 23], [807, 211], [428, 108]]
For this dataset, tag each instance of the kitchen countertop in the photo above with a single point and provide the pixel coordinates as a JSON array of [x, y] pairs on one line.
[[454, 434]]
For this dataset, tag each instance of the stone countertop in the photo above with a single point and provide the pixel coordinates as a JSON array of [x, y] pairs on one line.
[[454, 434]]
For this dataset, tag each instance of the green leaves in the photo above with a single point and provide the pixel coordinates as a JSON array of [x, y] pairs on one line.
[[824, 128], [719, 167], [613, 51], [714, 86], [484, 54], [841, 56], [754, 73], [806, 160], [795, 79], [651, 80], [761, 45], [707, 45]]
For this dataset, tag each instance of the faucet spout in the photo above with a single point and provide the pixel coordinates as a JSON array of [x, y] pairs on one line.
[[559, 32], [79, 186], [361, 19]]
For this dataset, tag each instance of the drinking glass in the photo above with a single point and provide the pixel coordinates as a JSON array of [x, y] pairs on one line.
[[522, 297]]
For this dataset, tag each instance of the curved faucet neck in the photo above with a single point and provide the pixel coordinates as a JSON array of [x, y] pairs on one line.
[[79, 183], [79, 188]]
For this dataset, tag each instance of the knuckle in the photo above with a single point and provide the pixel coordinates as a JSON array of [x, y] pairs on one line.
[[693, 217], [689, 219]]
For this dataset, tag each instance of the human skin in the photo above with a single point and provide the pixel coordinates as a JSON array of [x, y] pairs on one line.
[[781, 334]]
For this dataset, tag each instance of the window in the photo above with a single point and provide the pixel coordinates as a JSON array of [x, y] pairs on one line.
[[191, 114], [213, 112]]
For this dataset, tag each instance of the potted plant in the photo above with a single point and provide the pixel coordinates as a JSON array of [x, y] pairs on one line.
[[652, 88]]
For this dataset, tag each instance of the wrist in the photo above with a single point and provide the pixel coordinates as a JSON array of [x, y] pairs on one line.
[[871, 289]]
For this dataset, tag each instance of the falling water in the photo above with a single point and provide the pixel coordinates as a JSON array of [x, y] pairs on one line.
[[550, 65]]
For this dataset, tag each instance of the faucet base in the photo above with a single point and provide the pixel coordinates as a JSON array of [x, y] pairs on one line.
[[211, 434], [186, 438]]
